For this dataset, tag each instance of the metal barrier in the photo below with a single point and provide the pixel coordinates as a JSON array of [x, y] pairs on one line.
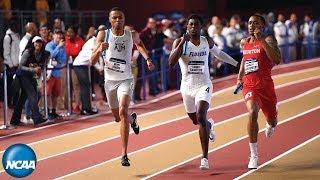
[[5, 125], [159, 76], [84, 19]]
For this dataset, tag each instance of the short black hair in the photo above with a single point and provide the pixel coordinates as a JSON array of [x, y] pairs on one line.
[[115, 9], [197, 17], [260, 17]]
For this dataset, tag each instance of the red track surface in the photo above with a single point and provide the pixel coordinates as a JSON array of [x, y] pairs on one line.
[[101, 152], [226, 163], [231, 161]]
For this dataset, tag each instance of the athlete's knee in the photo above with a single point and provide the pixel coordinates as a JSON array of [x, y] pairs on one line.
[[253, 112], [201, 118], [193, 117], [123, 112]]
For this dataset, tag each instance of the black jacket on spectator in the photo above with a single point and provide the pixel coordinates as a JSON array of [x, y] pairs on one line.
[[28, 83]]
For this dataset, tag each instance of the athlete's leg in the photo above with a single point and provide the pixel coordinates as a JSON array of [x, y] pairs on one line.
[[115, 113], [252, 125], [203, 107], [125, 121], [193, 117], [111, 94], [253, 129]]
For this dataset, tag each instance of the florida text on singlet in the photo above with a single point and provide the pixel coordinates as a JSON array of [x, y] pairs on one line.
[[194, 65]]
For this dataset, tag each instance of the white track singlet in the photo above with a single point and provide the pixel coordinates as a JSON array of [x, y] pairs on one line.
[[194, 67], [117, 58]]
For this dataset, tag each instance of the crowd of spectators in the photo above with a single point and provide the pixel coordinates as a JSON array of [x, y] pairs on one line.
[[297, 39]]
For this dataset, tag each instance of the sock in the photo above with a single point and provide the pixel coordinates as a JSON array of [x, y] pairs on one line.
[[253, 149]]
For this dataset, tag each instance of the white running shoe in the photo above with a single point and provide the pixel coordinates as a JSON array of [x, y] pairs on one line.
[[212, 134], [269, 131], [253, 162], [27, 121], [204, 164]]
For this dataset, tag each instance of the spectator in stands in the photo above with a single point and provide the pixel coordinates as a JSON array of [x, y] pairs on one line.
[[91, 33], [74, 45], [31, 30], [293, 34], [306, 35], [270, 21], [58, 24], [147, 35], [57, 50], [11, 57], [281, 33], [316, 36], [81, 67], [32, 60], [233, 35], [6, 6], [44, 33], [42, 8], [215, 21]]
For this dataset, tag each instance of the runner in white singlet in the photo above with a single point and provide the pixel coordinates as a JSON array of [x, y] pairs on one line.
[[115, 45], [192, 52]]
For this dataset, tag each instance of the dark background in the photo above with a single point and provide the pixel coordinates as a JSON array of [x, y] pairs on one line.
[[137, 11]]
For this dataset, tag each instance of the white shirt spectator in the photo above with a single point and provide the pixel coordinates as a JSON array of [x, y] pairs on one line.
[[11, 48], [281, 32], [306, 30], [292, 31], [211, 30], [316, 31], [220, 41], [233, 37], [23, 44], [84, 56]]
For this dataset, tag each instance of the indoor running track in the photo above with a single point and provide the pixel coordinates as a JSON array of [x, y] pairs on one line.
[[168, 145]]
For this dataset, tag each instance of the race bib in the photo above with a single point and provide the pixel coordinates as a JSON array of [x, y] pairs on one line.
[[117, 65], [251, 65], [196, 67]]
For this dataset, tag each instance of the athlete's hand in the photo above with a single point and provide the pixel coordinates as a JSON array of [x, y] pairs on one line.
[[257, 33], [238, 87], [150, 65], [186, 37], [239, 81], [103, 46]]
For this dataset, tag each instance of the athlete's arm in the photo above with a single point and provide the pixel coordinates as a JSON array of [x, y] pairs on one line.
[[142, 49], [176, 52], [220, 54], [270, 45], [241, 69], [223, 56], [100, 46]]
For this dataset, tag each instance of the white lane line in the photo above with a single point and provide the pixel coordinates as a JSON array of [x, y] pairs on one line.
[[159, 124], [278, 157], [108, 112], [195, 131], [155, 125], [231, 142]]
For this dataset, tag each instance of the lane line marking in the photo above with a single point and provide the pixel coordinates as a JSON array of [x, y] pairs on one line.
[[108, 112], [192, 132], [278, 157], [231, 142]]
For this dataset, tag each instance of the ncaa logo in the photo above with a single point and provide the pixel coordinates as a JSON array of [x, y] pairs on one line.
[[19, 160]]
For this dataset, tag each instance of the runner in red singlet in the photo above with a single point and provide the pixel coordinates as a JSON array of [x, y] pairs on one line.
[[260, 54]]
